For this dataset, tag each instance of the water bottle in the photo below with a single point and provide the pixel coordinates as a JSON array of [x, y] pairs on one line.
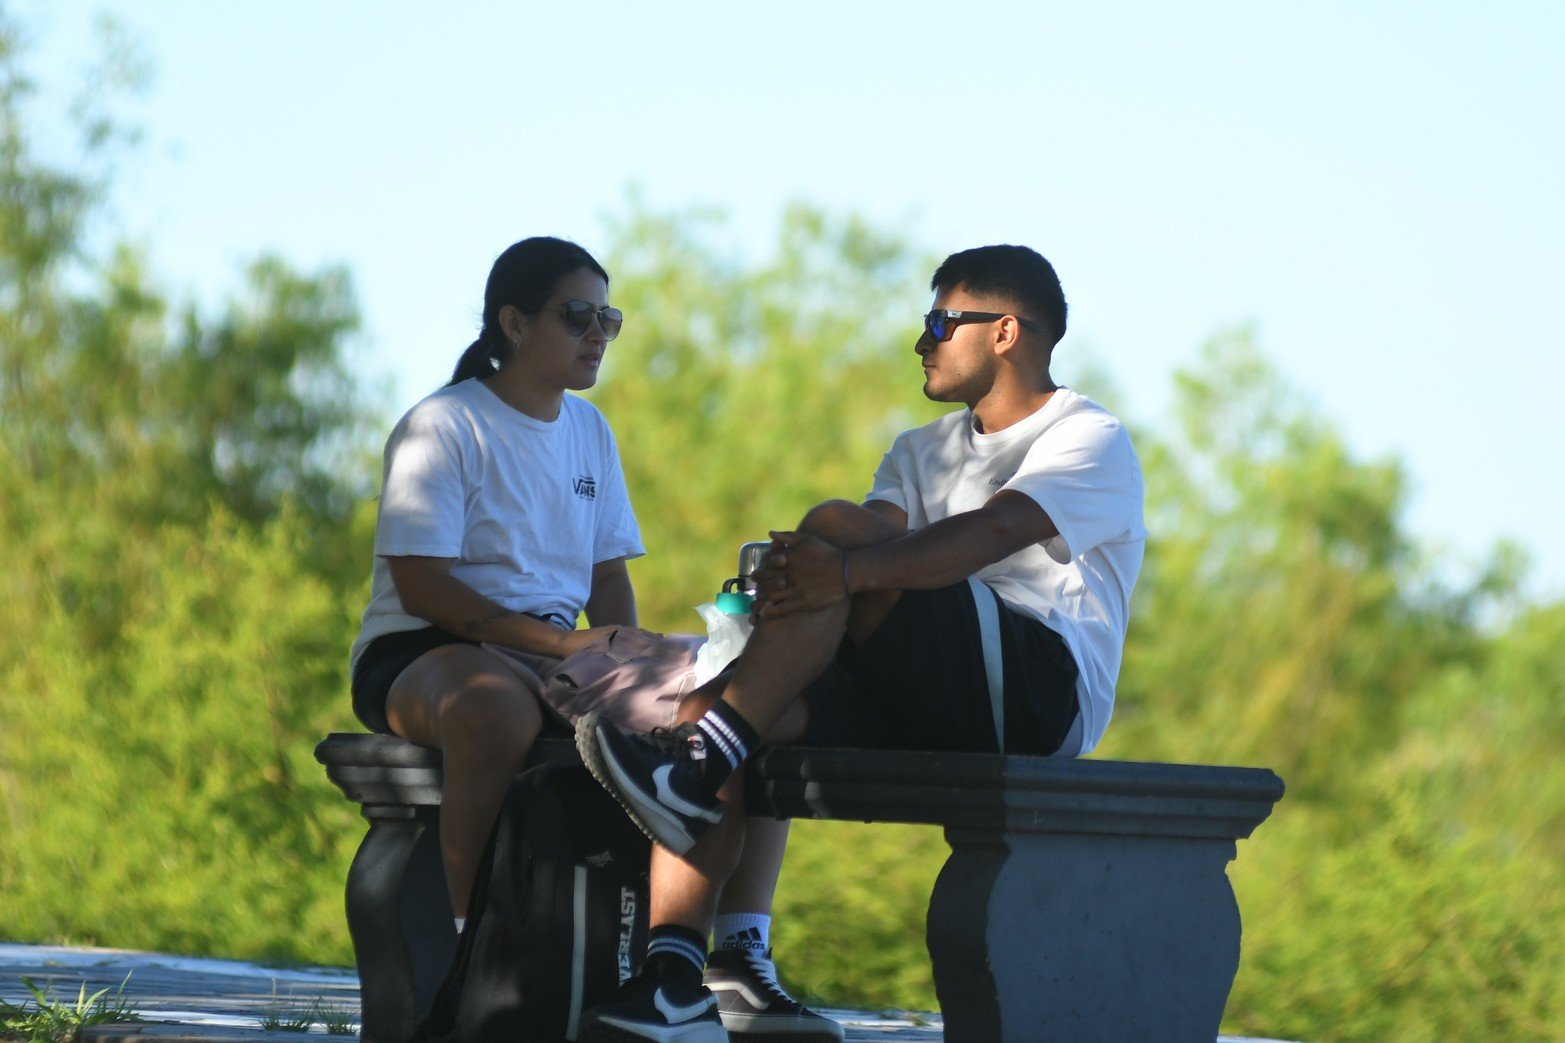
[[738, 594]]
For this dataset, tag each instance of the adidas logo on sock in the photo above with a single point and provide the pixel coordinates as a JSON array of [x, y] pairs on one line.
[[748, 940]]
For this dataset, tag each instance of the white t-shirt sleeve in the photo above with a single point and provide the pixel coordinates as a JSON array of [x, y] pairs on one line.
[[618, 534], [891, 479], [1083, 472], [422, 503]]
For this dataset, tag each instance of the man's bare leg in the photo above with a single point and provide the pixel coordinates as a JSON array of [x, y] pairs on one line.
[[753, 884], [749, 852], [782, 657]]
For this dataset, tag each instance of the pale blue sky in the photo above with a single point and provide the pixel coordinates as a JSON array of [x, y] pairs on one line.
[[1376, 187]]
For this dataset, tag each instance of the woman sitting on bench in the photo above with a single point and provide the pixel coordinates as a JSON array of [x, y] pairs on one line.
[[503, 517]]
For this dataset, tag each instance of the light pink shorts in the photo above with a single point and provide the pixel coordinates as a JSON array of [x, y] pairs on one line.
[[634, 678]]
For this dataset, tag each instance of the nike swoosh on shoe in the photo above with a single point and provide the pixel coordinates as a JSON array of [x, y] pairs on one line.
[[659, 823], [668, 798], [675, 1013]]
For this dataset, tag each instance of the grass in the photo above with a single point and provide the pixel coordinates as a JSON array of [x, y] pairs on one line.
[[335, 1020], [50, 1020], [290, 1017]]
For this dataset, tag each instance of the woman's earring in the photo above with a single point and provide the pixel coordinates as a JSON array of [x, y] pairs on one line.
[[494, 363]]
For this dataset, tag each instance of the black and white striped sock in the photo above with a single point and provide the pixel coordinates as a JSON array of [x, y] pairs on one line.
[[730, 735], [675, 951]]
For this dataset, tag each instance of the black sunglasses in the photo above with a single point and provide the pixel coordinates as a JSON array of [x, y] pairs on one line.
[[578, 315], [940, 322]]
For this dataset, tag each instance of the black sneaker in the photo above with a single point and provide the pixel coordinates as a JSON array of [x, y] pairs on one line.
[[665, 1009], [754, 1006], [656, 777]]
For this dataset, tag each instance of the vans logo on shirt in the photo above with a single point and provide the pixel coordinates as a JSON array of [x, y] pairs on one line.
[[586, 487]]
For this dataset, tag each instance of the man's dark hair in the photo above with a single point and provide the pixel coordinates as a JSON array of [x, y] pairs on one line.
[[1018, 275]]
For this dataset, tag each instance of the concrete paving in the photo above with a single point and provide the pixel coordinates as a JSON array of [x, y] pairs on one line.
[[197, 1000], [183, 999]]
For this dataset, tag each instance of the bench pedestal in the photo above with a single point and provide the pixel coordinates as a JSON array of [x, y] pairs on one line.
[[404, 937], [1119, 942], [399, 916]]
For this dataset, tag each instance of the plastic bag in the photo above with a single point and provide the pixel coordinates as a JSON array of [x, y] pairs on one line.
[[726, 637]]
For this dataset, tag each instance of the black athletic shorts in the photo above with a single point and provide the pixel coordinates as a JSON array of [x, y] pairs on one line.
[[920, 682], [382, 660]]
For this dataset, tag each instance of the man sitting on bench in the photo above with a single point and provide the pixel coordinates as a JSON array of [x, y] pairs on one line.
[[977, 601]]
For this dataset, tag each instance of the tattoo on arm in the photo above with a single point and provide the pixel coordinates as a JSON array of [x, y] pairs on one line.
[[473, 627]]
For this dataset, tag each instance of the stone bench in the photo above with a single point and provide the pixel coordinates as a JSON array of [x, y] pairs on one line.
[[1083, 899]]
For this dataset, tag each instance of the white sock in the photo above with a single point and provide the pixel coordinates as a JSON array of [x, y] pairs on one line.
[[750, 932], [461, 922]]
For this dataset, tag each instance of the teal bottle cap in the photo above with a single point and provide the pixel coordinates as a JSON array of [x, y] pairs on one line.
[[734, 603]]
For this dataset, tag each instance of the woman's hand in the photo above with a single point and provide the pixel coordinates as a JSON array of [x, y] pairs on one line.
[[575, 641], [801, 573]]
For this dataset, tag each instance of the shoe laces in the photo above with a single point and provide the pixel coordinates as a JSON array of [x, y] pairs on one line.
[[682, 742], [765, 972]]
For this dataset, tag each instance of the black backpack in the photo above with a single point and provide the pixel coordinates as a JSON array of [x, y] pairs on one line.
[[557, 918]]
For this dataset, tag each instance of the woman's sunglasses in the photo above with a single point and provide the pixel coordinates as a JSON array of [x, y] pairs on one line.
[[578, 316]]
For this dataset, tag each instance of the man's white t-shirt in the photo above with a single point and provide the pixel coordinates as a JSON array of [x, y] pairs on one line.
[[525, 506], [1075, 460]]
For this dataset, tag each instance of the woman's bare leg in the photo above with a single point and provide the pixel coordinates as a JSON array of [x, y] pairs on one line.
[[462, 701]]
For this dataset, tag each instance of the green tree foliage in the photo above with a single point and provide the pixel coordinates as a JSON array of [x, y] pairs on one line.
[[1437, 918], [178, 494], [744, 392], [186, 505], [1282, 613], [1284, 618], [159, 789]]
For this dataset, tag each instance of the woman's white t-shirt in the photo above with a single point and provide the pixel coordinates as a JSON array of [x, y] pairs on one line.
[[1075, 460], [525, 506]]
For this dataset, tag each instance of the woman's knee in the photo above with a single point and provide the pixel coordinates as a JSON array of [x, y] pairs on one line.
[[502, 719]]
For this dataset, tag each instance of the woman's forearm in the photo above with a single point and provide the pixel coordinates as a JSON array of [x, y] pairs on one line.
[[613, 599], [428, 590]]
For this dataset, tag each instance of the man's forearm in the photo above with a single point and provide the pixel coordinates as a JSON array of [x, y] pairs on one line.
[[950, 550], [806, 573]]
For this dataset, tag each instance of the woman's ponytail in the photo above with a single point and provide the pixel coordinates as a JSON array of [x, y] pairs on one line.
[[476, 361]]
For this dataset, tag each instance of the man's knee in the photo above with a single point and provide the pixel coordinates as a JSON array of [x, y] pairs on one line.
[[844, 523], [826, 518]]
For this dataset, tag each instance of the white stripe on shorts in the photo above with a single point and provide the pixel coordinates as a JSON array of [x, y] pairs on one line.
[[994, 662]]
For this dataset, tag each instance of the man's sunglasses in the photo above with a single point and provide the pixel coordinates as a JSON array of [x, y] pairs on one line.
[[578, 316], [940, 322]]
